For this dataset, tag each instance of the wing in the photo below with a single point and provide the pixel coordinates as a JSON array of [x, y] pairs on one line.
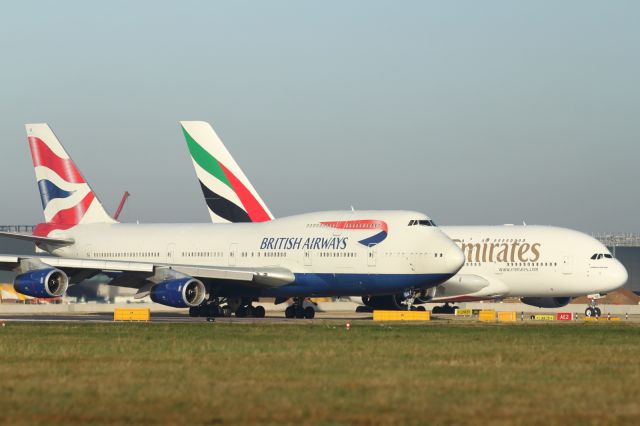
[[139, 274]]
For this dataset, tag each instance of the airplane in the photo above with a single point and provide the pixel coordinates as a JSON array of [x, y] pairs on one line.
[[200, 266], [544, 266]]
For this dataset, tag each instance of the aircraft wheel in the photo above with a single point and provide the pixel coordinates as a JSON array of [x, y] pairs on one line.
[[598, 312], [241, 312], [421, 308], [309, 312], [259, 312], [290, 311], [211, 310], [589, 312], [436, 310]]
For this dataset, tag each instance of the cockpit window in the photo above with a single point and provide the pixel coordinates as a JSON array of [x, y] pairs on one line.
[[421, 222], [598, 256]]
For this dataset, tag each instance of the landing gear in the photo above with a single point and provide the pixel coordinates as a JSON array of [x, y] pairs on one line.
[[297, 310], [445, 309], [211, 309], [250, 311], [240, 307], [593, 310], [259, 312]]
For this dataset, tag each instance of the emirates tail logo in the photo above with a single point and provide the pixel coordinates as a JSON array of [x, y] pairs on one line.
[[364, 225]]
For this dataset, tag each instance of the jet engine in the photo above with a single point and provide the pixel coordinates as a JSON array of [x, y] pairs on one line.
[[179, 293], [546, 302], [42, 283]]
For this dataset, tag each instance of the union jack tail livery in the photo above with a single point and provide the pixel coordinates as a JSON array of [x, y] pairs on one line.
[[67, 199], [228, 193]]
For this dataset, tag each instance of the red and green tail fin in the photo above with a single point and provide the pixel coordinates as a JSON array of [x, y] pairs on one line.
[[228, 193]]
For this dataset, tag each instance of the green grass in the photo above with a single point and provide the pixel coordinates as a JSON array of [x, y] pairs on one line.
[[319, 373]]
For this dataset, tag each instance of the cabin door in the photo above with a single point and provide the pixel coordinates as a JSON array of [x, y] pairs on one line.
[[371, 255], [233, 254], [171, 249], [567, 265], [307, 258]]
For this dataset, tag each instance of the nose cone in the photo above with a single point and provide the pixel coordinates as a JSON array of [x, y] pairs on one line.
[[454, 259], [617, 275]]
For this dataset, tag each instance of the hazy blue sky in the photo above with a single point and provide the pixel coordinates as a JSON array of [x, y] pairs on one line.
[[473, 112]]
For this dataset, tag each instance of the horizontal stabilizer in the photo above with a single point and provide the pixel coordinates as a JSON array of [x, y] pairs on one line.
[[36, 239]]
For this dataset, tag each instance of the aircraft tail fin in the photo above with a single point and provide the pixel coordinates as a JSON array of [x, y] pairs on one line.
[[67, 199], [228, 193]]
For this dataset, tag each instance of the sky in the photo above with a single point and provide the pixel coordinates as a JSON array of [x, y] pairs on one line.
[[475, 113]]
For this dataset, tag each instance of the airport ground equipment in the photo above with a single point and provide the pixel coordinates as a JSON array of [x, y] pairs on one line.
[[487, 315], [507, 316], [381, 315], [125, 196], [131, 314]]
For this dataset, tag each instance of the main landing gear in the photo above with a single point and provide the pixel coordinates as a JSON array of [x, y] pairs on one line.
[[222, 307], [298, 310], [446, 309]]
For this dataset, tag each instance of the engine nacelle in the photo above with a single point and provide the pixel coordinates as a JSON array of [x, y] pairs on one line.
[[546, 302], [42, 283], [179, 293]]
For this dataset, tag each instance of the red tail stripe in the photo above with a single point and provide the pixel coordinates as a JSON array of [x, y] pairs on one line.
[[66, 218], [253, 207], [43, 156], [43, 229]]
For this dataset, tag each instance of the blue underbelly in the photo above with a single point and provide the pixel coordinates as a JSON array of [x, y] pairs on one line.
[[328, 285]]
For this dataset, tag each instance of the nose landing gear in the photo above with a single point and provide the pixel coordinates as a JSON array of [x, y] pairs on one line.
[[593, 310]]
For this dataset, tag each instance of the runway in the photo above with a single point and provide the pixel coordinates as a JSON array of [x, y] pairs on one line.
[[175, 317], [333, 317]]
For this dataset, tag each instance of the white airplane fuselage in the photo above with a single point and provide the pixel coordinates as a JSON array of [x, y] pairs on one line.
[[330, 253], [528, 261]]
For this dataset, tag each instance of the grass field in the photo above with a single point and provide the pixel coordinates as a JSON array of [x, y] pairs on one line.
[[319, 373]]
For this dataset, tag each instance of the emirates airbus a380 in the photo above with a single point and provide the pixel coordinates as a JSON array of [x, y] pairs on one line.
[[185, 265], [544, 266]]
